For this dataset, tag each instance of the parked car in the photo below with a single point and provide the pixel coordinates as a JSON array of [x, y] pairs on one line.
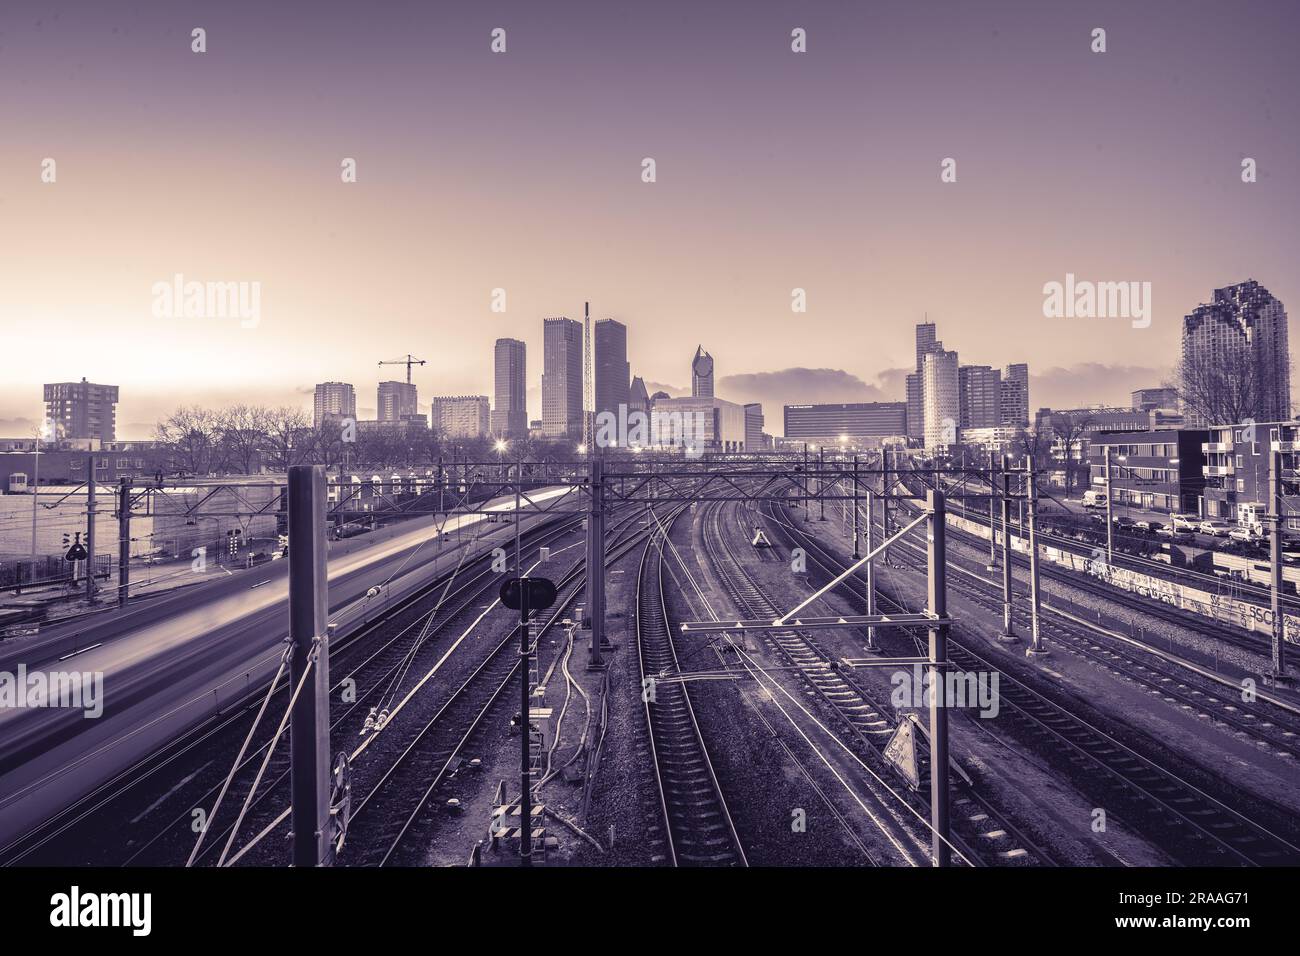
[[1185, 522], [1124, 522], [1215, 528], [1176, 530], [1247, 534]]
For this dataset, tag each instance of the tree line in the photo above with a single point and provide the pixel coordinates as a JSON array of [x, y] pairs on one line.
[[246, 439]]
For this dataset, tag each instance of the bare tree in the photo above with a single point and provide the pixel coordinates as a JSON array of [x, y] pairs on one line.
[[290, 439], [244, 430], [1223, 390], [192, 435]]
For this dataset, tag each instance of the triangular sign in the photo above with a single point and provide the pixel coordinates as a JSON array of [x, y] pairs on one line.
[[901, 752]]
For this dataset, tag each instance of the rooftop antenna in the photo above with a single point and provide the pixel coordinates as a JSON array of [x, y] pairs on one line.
[[588, 384]]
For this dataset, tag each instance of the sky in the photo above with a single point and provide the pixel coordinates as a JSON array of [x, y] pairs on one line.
[[522, 171]]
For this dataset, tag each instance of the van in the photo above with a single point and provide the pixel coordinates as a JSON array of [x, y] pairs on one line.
[[1094, 499]]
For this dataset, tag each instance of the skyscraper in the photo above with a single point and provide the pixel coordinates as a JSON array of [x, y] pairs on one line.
[[510, 416], [561, 378], [925, 344], [397, 401], [638, 398], [1015, 396], [941, 388], [82, 410], [754, 427], [701, 374], [611, 369], [1236, 358], [334, 400], [980, 395]]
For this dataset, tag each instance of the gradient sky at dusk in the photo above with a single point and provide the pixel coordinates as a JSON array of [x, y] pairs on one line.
[[522, 171]]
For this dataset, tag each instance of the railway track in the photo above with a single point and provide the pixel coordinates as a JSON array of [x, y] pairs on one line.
[[1212, 697], [1193, 826], [697, 826], [981, 833], [142, 795], [392, 822]]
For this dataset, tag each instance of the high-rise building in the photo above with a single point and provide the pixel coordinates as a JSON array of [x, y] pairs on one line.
[[397, 401], [610, 365], [940, 383], [562, 378], [334, 400], [510, 416], [754, 440], [980, 396], [1014, 401], [1236, 358], [701, 374], [79, 410], [638, 398], [926, 342], [460, 416]]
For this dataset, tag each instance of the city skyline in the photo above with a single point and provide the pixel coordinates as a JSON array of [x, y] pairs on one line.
[[841, 185]]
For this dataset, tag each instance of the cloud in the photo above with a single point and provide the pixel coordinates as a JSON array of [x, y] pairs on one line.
[[1090, 383]]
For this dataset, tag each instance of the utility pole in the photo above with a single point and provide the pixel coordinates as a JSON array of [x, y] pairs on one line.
[[309, 726], [525, 695], [1008, 634], [871, 568], [1036, 647], [806, 481], [993, 532], [90, 527], [1110, 518], [856, 555], [596, 560], [36, 496], [884, 499], [938, 608], [1278, 672], [821, 481], [123, 541]]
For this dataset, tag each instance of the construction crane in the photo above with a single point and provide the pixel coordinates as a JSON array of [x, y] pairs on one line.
[[408, 361]]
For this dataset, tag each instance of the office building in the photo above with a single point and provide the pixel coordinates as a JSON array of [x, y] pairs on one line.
[[942, 399], [562, 378], [1014, 396], [460, 416], [754, 438], [980, 396], [510, 416], [397, 401], [697, 425], [701, 374], [81, 410], [853, 423], [610, 366], [334, 400]]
